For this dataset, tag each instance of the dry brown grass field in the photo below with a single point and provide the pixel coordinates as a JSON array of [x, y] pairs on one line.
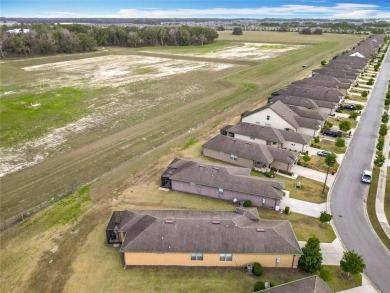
[[113, 120]]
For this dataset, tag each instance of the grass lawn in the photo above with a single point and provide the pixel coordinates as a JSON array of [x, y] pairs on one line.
[[371, 208], [311, 190], [356, 98], [329, 145], [339, 282], [336, 121], [304, 226], [318, 163], [387, 195]]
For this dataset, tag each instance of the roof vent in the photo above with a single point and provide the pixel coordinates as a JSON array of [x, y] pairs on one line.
[[168, 221], [201, 166], [215, 168], [260, 230], [216, 222], [247, 143]]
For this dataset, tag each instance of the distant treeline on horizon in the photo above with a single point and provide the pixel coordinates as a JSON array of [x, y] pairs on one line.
[[44, 39]]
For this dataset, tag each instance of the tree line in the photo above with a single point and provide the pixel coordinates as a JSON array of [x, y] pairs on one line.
[[43, 39]]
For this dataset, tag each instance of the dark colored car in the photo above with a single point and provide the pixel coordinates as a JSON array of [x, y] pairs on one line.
[[333, 133], [350, 107]]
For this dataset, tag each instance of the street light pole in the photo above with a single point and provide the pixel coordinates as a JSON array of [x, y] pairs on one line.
[[326, 178]]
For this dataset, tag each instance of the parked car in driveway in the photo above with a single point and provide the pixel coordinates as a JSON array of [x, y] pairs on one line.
[[333, 133], [323, 153], [367, 176], [349, 107]]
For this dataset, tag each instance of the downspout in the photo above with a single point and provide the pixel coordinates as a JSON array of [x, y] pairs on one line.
[[292, 265]]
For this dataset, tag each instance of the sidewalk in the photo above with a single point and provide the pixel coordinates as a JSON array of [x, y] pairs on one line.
[[303, 207], [380, 195]]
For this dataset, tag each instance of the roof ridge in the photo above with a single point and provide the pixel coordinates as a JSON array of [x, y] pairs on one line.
[[142, 231], [274, 228]]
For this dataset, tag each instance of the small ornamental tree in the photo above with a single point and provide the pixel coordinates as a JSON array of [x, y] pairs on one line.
[[237, 31], [317, 139], [383, 130], [370, 81], [306, 158], [345, 125], [381, 144], [385, 118], [353, 115], [247, 203], [323, 62], [311, 258], [317, 31], [379, 160], [359, 107], [364, 94], [340, 142], [352, 263], [387, 102], [324, 218]]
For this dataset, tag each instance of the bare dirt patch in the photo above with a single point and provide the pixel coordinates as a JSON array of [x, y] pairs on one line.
[[118, 70]]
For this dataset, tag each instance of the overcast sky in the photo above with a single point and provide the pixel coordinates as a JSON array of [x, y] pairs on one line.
[[196, 9]]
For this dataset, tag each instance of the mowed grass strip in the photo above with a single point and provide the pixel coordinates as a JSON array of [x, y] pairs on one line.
[[330, 146], [387, 195], [338, 281], [318, 163], [371, 208], [310, 190], [30, 116]]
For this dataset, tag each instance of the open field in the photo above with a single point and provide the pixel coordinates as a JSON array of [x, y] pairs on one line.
[[124, 155]]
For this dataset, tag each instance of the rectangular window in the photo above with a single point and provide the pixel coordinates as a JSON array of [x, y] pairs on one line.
[[197, 256], [220, 191], [226, 257], [268, 117], [233, 157]]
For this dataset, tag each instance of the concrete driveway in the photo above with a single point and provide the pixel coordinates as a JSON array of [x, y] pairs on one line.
[[313, 174], [303, 207], [332, 253]]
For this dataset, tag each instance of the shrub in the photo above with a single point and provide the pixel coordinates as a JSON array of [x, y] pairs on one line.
[[345, 125], [381, 143], [257, 269], [383, 130], [272, 284], [317, 139], [237, 31], [387, 102], [326, 275], [259, 285], [247, 203], [385, 118], [340, 142], [287, 210], [353, 115], [306, 158], [364, 94], [269, 174], [346, 97], [359, 107], [370, 81], [376, 67], [379, 160], [323, 62]]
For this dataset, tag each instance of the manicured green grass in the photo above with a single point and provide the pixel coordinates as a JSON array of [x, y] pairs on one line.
[[339, 282], [330, 146], [336, 121], [190, 143], [387, 195], [310, 190], [21, 121], [371, 208], [318, 163], [304, 226]]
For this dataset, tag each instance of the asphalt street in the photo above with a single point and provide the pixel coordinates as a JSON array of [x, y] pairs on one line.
[[348, 193]]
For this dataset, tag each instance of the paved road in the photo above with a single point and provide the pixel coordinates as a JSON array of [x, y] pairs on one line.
[[348, 193]]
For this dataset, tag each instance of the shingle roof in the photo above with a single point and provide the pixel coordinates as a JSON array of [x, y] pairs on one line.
[[288, 115], [268, 133], [250, 150], [194, 231], [296, 101], [313, 284], [312, 92], [229, 178], [313, 114]]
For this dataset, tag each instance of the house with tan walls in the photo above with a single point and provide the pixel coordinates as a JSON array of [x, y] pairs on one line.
[[249, 154], [227, 183], [280, 116], [202, 238], [269, 136]]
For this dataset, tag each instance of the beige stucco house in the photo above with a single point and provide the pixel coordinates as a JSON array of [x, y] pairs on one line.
[[202, 238]]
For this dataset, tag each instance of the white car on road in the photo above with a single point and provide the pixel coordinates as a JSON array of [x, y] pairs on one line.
[[367, 176]]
